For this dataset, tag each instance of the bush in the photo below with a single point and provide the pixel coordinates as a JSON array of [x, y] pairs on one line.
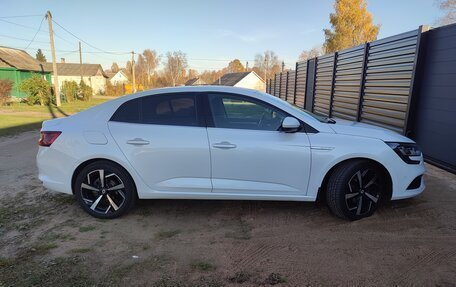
[[37, 89], [70, 91], [5, 91], [114, 90], [85, 92]]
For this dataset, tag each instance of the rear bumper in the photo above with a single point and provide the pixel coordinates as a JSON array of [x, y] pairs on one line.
[[53, 169]]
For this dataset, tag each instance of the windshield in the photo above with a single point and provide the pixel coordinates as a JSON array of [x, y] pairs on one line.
[[322, 119]]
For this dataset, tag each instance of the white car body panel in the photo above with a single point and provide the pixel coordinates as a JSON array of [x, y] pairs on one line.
[[265, 165], [175, 159], [264, 162]]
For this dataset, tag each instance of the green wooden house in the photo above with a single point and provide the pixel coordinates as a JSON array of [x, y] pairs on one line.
[[16, 65]]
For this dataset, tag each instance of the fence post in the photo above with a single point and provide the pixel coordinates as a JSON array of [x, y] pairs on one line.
[[314, 79], [362, 82], [412, 101], [331, 95], [274, 94], [295, 83], [286, 86], [280, 85]]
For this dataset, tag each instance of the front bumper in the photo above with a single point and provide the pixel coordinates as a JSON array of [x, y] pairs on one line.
[[403, 181]]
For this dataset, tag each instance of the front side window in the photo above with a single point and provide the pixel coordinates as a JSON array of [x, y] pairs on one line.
[[164, 109], [238, 112]]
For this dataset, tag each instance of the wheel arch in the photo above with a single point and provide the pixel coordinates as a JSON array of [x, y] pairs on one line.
[[389, 183], [89, 161]]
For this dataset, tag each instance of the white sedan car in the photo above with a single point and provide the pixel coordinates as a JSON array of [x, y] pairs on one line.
[[214, 142]]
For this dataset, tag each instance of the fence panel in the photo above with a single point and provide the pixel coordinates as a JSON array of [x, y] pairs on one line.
[[283, 86], [390, 68], [291, 86], [301, 83], [349, 73], [276, 84], [323, 84]]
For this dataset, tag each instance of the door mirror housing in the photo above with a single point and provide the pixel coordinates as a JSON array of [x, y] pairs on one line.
[[290, 125]]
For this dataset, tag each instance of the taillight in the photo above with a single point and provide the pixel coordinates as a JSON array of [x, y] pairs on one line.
[[47, 138]]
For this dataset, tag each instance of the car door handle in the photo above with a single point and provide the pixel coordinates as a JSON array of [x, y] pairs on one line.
[[224, 145], [138, 141]]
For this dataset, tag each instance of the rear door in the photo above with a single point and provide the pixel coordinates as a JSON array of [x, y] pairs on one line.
[[249, 153], [165, 140]]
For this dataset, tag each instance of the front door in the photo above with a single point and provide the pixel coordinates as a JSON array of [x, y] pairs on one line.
[[249, 153]]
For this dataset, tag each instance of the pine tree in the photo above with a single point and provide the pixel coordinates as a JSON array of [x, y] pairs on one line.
[[40, 56], [351, 26]]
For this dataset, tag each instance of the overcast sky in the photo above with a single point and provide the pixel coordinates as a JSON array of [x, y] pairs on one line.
[[210, 32]]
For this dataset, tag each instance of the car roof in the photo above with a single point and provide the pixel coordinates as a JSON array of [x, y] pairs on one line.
[[203, 88]]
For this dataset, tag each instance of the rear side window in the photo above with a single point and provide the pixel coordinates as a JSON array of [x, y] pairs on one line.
[[166, 109], [128, 112], [169, 110]]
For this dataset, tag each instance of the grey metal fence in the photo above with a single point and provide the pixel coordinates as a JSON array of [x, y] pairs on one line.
[[370, 83]]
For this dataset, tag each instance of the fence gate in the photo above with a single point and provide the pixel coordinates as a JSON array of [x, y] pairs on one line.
[[433, 118]]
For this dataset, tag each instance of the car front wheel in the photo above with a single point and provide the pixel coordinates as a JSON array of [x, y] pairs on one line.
[[355, 189], [104, 190]]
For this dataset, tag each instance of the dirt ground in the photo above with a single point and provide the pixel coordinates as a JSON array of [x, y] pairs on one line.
[[47, 240]]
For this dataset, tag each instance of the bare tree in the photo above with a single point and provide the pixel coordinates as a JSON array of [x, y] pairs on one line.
[[114, 67], [312, 53], [449, 7], [152, 60], [141, 70], [267, 64], [175, 67], [235, 66], [128, 70]]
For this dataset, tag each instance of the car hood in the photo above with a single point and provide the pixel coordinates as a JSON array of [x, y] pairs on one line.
[[365, 130]]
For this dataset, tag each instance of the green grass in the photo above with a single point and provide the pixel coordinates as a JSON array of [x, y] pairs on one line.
[[20, 117], [81, 250], [86, 228], [275, 278], [202, 266]]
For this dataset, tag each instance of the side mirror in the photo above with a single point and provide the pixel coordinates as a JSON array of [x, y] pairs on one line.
[[290, 125]]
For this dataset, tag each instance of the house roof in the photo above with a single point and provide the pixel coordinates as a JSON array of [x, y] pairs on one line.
[[112, 74], [19, 59], [195, 81], [74, 69], [231, 79]]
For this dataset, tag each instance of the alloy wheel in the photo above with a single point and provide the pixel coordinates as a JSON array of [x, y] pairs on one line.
[[103, 191], [363, 192]]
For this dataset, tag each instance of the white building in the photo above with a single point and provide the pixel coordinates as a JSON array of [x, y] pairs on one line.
[[92, 74], [117, 78], [249, 80]]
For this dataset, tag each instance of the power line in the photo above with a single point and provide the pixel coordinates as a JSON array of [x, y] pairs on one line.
[[20, 16], [22, 39], [21, 25], [33, 39], [88, 44]]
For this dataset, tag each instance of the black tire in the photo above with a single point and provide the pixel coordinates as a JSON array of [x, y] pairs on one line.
[[113, 197], [350, 198]]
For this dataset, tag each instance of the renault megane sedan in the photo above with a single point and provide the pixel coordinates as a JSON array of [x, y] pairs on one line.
[[214, 142]]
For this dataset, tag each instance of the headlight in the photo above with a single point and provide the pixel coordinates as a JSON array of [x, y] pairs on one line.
[[407, 151]]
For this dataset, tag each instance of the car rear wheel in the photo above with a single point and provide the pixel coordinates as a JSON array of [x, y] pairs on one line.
[[104, 190], [355, 189]]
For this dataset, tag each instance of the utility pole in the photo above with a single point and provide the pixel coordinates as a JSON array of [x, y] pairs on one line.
[[54, 63], [265, 63], [133, 70], [80, 60]]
